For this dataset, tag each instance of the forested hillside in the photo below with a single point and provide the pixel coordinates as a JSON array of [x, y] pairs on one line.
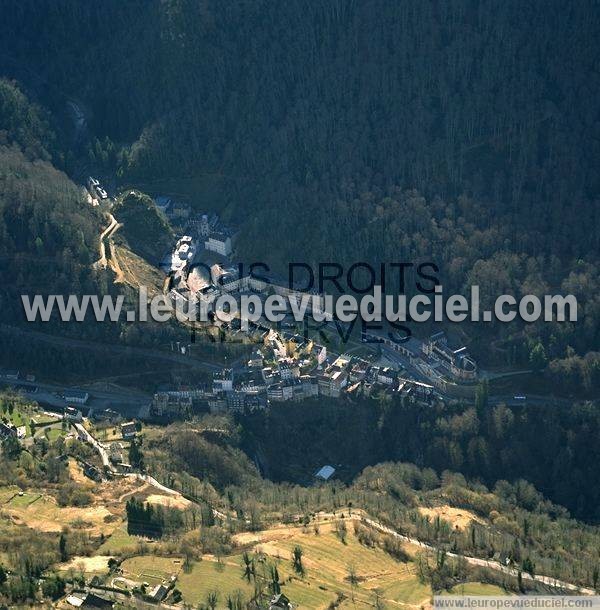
[[552, 447], [463, 133], [48, 230], [146, 230]]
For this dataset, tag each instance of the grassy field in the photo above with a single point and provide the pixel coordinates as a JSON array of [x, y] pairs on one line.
[[207, 576], [41, 512], [118, 542], [151, 569], [23, 414], [24, 501], [477, 588], [52, 433], [327, 562]]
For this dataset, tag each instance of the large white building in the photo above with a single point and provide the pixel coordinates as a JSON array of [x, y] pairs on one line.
[[219, 242]]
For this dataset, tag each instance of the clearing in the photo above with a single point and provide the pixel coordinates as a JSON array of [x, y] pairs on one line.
[[459, 518]]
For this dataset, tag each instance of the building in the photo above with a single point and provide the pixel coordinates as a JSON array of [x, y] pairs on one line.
[[158, 593], [171, 403], [325, 473], [76, 396], [281, 391], [128, 430], [256, 359], [285, 371], [457, 362], [115, 453], [223, 381], [250, 381], [219, 242], [280, 602], [7, 430], [332, 381], [310, 385], [91, 600], [11, 374], [107, 415], [73, 414], [218, 403], [180, 210], [236, 400]]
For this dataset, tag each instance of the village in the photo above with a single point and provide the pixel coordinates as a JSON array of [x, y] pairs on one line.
[[288, 363]]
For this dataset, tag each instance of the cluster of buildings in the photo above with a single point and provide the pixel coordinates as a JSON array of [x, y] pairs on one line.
[[206, 229], [433, 360], [96, 189], [176, 212], [8, 429], [287, 367]]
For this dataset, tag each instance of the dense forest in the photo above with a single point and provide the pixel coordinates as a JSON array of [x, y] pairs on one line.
[[48, 231], [461, 133], [552, 447]]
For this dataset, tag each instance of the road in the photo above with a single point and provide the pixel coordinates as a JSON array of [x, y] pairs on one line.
[[87, 437], [105, 235], [98, 446], [69, 342], [484, 563], [128, 404]]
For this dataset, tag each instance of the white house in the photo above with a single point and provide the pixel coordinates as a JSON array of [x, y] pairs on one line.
[[77, 396], [218, 242]]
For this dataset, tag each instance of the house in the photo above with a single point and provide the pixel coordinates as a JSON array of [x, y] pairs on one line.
[[256, 360], [359, 371], [158, 593], [11, 374], [325, 473], [128, 430], [73, 414], [75, 600], [7, 430], [77, 396], [184, 252], [91, 600], [223, 381], [219, 242], [90, 471], [280, 602], [386, 375], [180, 210]]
